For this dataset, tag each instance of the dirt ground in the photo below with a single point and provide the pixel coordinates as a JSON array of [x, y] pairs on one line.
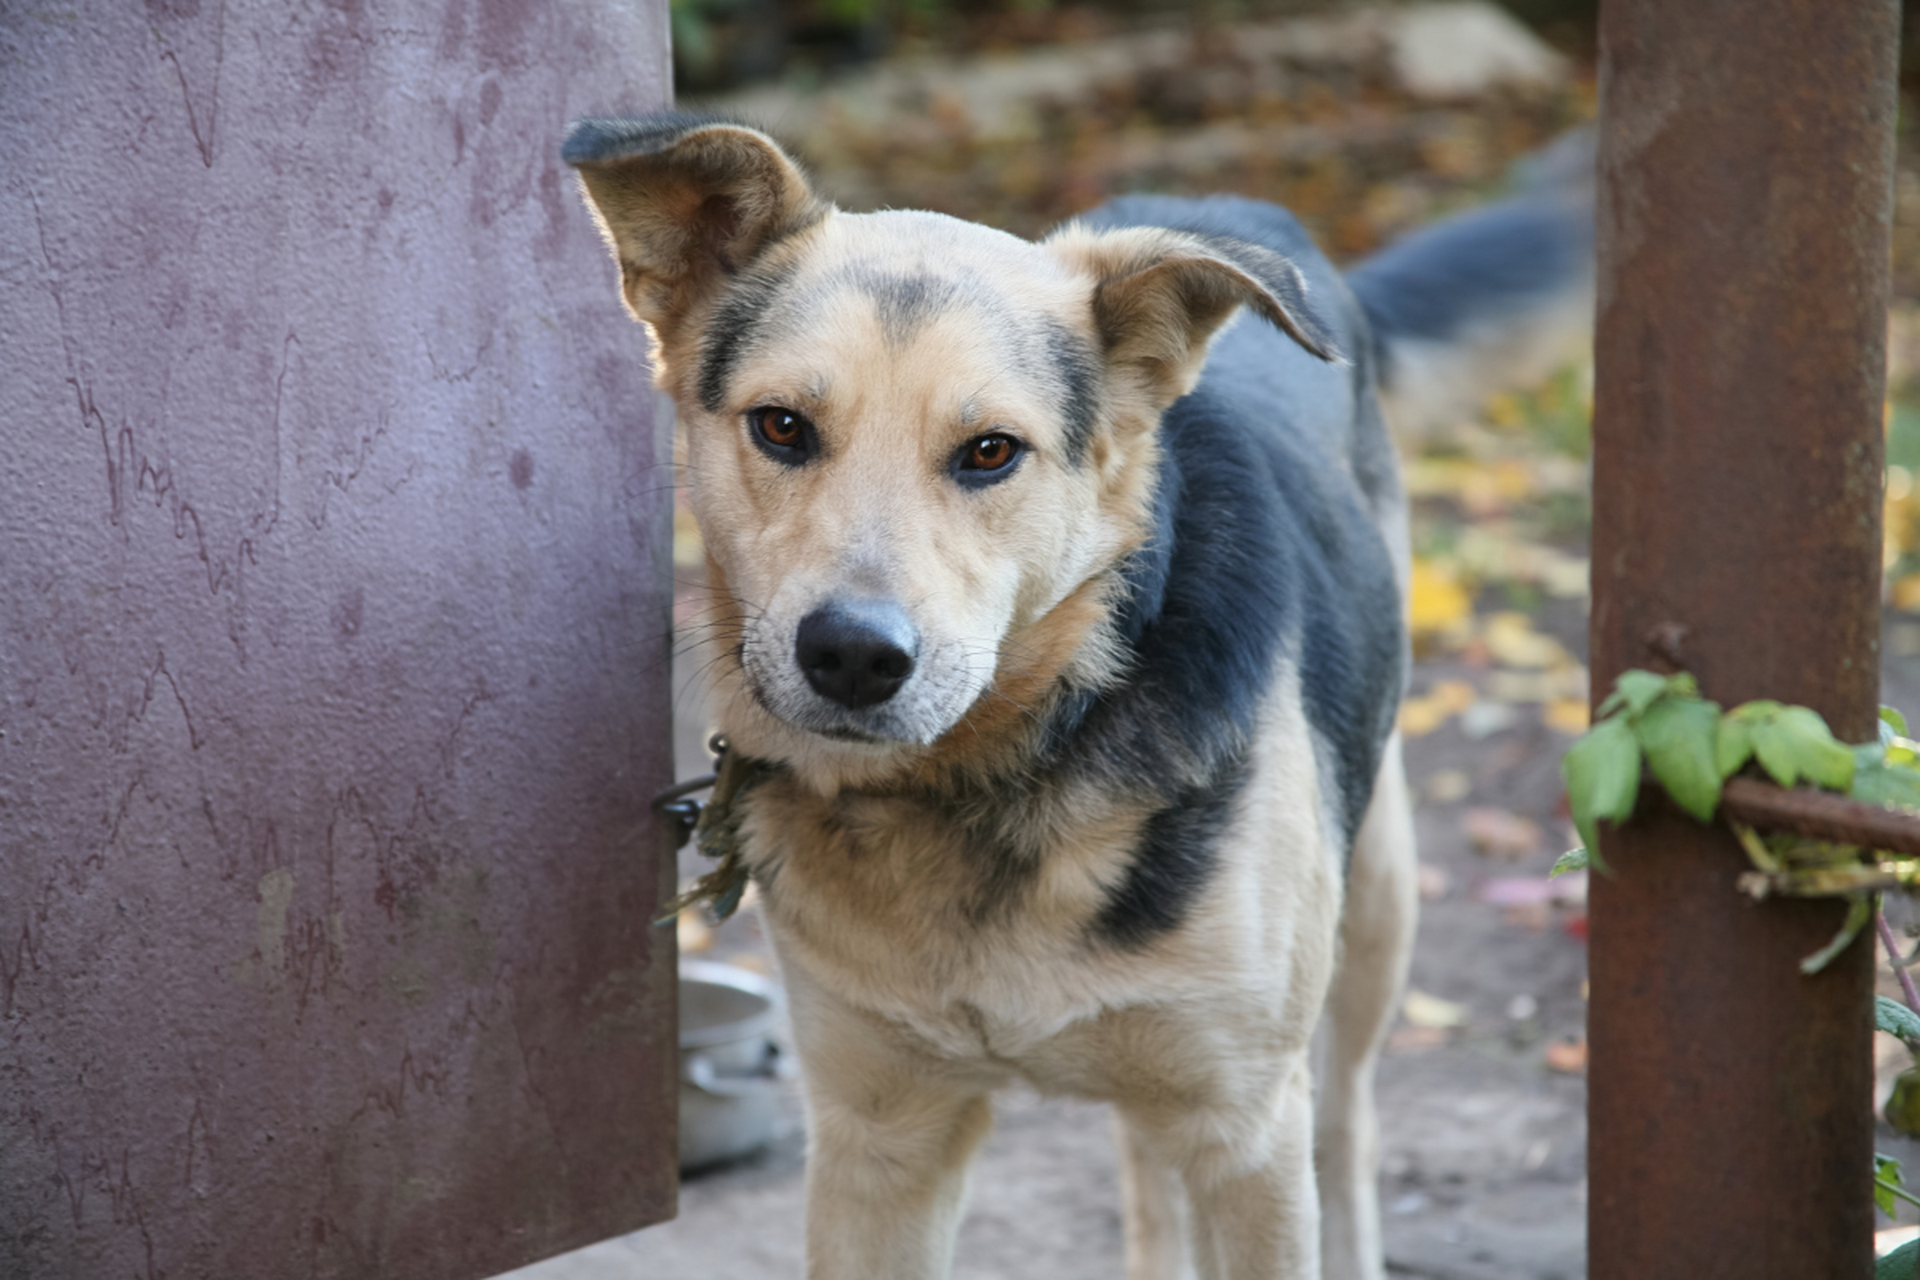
[[1483, 1086]]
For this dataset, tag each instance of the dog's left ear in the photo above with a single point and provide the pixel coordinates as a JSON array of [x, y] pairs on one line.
[[1159, 297], [685, 202]]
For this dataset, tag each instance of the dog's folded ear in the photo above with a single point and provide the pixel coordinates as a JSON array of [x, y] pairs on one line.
[[686, 201], [1159, 296]]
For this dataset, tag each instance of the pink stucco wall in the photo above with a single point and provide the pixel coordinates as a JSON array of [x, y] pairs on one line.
[[333, 635]]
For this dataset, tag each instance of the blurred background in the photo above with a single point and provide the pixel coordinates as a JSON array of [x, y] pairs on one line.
[[1366, 120]]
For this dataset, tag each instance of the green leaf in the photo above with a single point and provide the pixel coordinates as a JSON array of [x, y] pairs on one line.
[[1888, 785], [1602, 771], [1682, 685], [1886, 1176], [1893, 720], [1732, 745], [1822, 759], [1775, 751], [1678, 734], [1635, 690], [1757, 710], [1896, 1019], [1571, 860], [1795, 743], [1903, 1263]]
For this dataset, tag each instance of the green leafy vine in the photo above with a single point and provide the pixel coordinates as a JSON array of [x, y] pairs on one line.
[[1660, 725]]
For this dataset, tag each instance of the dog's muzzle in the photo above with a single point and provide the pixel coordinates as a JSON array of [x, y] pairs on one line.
[[856, 652]]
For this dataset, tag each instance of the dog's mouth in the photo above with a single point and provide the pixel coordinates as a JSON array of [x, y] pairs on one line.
[[846, 733], [850, 728], [856, 675]]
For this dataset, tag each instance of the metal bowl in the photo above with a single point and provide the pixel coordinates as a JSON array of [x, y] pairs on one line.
[[731, 1071]]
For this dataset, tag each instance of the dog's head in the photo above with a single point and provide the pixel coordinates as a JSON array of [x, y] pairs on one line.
[[918, 448]]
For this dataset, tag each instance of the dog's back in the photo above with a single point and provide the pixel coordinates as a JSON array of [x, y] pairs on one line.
[[1281, 519]]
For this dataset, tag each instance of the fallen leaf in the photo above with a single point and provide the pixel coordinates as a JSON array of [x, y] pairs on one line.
[[1416, 1039], [1534, 917], [1523, 686], [1436, 600], [1484, 719], [1455, 695], [1569, 1056], [1447, 786], [1511, 891], [1565, 577], [1421, 716], [1906, 593], [1567, 715], [1433, 882], [1513, 642], [1423, 1010], [1497, 833]]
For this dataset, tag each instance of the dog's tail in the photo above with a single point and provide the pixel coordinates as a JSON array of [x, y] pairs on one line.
[[1497, 297]]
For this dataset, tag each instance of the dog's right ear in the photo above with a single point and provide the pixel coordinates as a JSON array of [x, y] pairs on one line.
[[686, 201]]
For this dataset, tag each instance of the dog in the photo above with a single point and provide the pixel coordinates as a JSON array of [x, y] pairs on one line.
[[1059, 642]]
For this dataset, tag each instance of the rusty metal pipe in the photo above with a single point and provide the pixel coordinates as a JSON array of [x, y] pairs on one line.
[[1745, 165], [1820, 815]]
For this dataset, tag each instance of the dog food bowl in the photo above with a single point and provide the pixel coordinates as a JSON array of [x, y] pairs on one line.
[[731, 1071]]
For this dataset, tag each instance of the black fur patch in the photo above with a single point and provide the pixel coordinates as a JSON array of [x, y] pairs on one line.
[[736, 326], [906, 302], [1077, 368], [1263, 544], [597, 139], [1173, 862]]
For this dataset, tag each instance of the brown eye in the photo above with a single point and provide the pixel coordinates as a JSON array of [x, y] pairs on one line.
[[990, 453], [780, 433]]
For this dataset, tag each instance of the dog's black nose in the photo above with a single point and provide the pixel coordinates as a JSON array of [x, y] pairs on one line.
[[856, 652]]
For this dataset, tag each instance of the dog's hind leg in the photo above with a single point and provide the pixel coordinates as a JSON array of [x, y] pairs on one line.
[[1376, 943], [1155, 1208]]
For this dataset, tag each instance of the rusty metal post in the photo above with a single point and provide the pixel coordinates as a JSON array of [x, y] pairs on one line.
[[1746, 156]]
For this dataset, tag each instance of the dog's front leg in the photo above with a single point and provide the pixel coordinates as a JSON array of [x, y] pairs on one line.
[[886, 1173], [890, 1134], [1250, 1180]]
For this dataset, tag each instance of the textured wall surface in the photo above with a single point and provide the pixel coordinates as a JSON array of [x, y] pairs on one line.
[[333, 626]]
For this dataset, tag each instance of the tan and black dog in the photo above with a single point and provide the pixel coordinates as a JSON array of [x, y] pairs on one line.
[[1060, 609]]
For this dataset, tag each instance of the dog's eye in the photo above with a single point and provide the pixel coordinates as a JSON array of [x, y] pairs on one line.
[[781, 433], [990, 453]]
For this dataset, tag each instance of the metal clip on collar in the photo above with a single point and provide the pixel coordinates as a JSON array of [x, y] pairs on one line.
[[715, 829], [677, 804]]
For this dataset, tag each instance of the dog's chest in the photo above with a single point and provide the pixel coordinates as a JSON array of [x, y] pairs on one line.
[[981, 946]]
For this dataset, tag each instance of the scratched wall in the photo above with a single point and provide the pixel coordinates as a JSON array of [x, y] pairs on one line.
[[332, 644]]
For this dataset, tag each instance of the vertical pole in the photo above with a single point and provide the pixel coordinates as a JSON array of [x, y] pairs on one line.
[[1745, 160]]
